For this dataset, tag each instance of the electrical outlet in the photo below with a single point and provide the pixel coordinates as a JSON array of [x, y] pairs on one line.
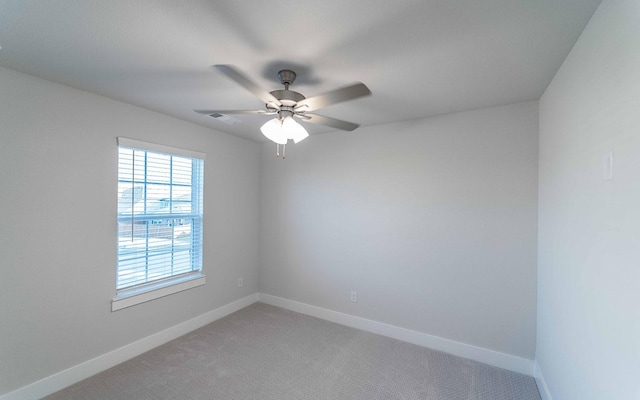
[[354, 296], [240, 282]]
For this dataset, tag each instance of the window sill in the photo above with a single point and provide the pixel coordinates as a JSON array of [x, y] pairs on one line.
[[133, 297]]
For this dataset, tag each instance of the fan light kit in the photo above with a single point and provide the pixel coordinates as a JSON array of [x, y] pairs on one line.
[[287, 104]]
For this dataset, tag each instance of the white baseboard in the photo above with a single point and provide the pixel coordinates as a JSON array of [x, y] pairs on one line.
[[542, 384], [60, 380], [491, 357]]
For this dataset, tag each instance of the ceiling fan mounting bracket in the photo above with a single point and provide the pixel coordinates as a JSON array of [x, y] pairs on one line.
[[287, 77]]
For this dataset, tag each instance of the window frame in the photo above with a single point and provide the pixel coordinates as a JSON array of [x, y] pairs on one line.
[[129, 296]]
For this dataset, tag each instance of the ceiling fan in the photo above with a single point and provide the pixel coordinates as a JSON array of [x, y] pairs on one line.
[[287, 104]]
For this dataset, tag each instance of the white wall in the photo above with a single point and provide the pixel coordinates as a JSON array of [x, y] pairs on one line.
[[58, 194], [432, 221], [588, 344]]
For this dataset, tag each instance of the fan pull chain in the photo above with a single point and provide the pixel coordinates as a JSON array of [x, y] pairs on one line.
[[283, 151]]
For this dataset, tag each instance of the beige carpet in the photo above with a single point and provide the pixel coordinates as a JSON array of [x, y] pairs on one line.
[[267, 353]]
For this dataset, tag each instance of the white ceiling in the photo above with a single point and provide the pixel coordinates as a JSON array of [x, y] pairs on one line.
[[419, 58]]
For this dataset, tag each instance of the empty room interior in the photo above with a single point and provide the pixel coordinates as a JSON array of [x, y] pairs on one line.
[[320, 200]]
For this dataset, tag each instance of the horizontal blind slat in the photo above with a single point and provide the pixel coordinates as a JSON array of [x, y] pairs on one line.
[[159, 215]]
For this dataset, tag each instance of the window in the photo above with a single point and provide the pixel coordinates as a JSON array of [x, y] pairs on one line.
[[160, 194]]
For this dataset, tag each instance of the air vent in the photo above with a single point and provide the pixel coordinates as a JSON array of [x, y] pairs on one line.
[[225, 118]]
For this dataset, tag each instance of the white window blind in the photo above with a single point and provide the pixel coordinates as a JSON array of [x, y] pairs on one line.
[[159, 213]]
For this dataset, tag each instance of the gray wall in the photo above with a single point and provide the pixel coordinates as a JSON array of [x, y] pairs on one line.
[[588, 344], [432, 221], [58, 160]]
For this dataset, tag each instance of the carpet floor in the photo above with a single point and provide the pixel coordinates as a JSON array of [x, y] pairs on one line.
[[267, 353]]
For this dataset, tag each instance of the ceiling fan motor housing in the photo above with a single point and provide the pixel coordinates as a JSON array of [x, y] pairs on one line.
[[287, 97]]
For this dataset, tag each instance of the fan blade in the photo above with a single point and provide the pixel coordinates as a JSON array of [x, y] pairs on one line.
[[333, 97], [248, 84], [332, 122], [209, 112]]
